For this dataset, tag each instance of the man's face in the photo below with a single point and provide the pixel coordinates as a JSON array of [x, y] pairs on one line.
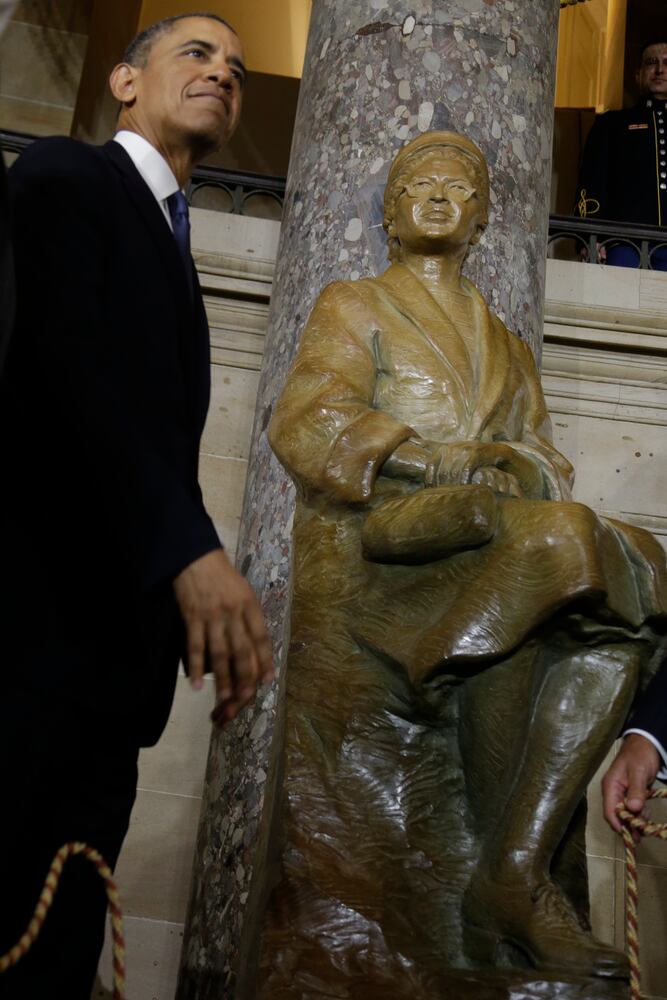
[[440, 207], [192, 85], [652, 74]]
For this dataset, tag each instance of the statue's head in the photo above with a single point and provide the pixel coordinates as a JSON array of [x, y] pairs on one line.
[[437, 195]]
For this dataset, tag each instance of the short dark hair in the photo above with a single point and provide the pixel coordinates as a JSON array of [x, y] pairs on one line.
[[139, 49], [656, 40]]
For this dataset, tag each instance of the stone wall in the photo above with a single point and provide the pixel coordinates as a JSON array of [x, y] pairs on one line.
[[41, 56]]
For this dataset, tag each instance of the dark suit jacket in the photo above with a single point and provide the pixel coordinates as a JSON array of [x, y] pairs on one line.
[[103, 402], [624, 165]]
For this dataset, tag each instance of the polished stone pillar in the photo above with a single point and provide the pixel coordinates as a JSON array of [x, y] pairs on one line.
[[376, 75]]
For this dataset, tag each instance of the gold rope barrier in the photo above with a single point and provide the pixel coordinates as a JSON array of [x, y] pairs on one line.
[[646, 829], [67, 851]]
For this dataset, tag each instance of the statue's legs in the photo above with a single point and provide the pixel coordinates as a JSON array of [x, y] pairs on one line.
[[562, 713]]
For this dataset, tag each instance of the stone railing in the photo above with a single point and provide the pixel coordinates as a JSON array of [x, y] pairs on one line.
[[230, 191], [237, 192], [571, 238]]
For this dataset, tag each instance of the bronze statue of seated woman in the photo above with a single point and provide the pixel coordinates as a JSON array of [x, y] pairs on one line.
[[466, 640]]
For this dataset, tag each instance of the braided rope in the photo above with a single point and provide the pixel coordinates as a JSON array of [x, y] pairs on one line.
[[67, 851], [646, 829]]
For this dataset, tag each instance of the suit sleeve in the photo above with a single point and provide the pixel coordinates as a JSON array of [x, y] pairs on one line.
[[325, 429], [650, 713], [592, 193], [62, 221]]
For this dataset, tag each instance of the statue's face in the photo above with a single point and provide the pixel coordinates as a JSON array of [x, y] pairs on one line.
[[439, 209]]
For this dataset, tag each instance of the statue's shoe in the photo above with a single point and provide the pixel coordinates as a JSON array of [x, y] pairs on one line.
[[541, 924]]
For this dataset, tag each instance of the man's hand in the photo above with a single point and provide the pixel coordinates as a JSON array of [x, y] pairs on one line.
[[629, 777], [225, 628]]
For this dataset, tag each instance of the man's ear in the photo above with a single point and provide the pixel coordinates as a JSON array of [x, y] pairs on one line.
[[123, 82]]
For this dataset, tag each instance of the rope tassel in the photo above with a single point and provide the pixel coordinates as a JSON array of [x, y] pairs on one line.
[[15, 954], [646, 829]]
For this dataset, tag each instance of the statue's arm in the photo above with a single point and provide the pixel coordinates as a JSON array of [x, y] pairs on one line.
[[325, 429]]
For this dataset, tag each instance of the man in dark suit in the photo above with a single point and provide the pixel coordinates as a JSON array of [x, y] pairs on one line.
[[111, 566], [624, 167], [643, 755]]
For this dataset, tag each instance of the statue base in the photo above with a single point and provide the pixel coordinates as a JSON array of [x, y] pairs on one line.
[[482, 985], [452, 985], [521, 986]]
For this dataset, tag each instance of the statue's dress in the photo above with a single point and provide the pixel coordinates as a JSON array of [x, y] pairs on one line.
[[395, 606]]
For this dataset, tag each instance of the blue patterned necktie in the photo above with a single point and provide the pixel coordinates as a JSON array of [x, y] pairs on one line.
[[180, 221]]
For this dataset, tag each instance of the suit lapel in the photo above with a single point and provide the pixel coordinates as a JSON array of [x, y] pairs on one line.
[[143, 200]]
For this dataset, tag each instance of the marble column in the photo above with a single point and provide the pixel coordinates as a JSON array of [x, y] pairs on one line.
[[376, 75]]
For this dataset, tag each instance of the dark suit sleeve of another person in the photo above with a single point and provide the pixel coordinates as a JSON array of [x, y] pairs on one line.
[[593, 194], [651, 711], [80, 286]]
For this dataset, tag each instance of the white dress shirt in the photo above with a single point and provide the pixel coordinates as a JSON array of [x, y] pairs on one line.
[[152, 166]]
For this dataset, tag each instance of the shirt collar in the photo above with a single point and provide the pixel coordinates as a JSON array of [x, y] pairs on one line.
[[151, 165], [654, 102]]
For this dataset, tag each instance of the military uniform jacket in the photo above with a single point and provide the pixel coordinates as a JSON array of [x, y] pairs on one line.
[[624, 169]]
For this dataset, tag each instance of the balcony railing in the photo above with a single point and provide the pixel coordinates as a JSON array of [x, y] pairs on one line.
[[263, 197], [210, 187], [588, 239]]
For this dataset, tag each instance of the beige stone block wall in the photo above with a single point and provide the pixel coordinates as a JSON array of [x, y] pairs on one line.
[[605, 377], [40, 68]]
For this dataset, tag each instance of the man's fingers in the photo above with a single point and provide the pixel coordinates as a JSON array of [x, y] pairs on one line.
[[637, 790], [244, 660], [225, 711], [218, 654], [196, 647], [261, 642], [613, 792]]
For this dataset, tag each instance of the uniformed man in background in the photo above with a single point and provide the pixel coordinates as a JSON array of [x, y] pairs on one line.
[[624, 170]]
